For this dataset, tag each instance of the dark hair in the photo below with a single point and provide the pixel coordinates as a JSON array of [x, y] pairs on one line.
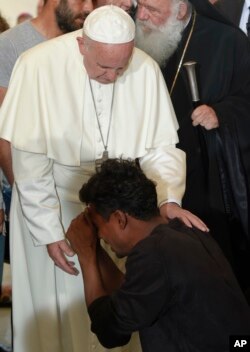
[[3, 24], [121, 185]]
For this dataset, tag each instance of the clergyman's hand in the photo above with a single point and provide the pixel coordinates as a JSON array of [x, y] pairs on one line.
[[58, 252], [173, 210], [82, 235], [205, 116]]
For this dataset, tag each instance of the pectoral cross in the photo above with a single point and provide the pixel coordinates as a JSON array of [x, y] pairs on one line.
[[98, 162]]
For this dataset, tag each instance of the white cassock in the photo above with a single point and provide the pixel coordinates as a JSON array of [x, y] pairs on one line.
[[48, 115]]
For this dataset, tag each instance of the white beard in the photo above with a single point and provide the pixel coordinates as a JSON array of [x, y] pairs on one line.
[[159, 42]]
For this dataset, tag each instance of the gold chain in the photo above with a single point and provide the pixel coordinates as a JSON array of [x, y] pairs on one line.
[[183, 53]]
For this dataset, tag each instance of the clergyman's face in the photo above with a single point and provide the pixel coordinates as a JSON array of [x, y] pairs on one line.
[[155, 11], [105, 62], [70, 14], [159, 30]]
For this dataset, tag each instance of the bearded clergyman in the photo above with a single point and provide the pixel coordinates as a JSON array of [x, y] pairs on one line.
[[214, 130]]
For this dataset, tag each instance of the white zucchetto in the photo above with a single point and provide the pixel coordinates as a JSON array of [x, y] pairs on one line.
[[109, 24]]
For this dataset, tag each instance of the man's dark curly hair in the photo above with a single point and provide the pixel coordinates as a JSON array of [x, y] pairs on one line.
[[121, 185], [3, 24]]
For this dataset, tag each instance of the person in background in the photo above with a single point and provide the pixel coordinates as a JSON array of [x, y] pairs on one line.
[[39, 6], [79, 116], [237, 11], [3, 24], [215, 134], [179, 291], [3, 27]]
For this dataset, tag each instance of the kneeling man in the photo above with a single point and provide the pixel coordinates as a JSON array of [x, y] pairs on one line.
[[178, 291]]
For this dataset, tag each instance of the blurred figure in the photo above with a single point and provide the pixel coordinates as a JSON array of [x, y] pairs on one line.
[[24, 16], [3, 24], [39, 6], [4, 294], [3, 27], [237, 11]]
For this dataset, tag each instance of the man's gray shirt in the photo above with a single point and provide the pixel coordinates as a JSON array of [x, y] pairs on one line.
[[13, 43]]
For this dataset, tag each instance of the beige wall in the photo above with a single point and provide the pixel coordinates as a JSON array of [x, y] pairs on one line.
[[10, 9]]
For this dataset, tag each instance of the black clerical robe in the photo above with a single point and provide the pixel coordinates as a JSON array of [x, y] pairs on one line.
[[218, 178], [232, 9]]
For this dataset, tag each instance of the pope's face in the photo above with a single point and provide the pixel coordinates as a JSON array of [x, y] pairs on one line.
[[70, 14], [105, 62]]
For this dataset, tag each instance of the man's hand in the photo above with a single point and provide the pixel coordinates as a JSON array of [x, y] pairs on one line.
[[82, 235], [57, 252], [1, 220], [173, 210], [205, 116]]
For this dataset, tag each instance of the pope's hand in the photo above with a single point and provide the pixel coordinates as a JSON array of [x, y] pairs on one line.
[[205, 116], [173, 210], [58, 252]]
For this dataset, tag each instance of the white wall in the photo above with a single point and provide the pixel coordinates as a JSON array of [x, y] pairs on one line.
[[10, 9]]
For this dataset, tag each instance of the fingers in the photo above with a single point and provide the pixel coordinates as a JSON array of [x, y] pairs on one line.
[[67, 266], [57, 252], [205, 116], [188, 218], [191, 220]]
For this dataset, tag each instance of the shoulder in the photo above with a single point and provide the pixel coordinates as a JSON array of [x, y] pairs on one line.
[[142, 60], [228, 6], [16, 34], [215, 32], [143, 68], [55, 50]]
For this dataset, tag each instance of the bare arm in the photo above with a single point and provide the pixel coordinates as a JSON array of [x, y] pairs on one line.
[[100, 274], [3, 91], [6, 160]]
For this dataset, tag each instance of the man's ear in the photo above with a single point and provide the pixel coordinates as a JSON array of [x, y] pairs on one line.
[[81, 45], [121, 219], [183, 8]]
